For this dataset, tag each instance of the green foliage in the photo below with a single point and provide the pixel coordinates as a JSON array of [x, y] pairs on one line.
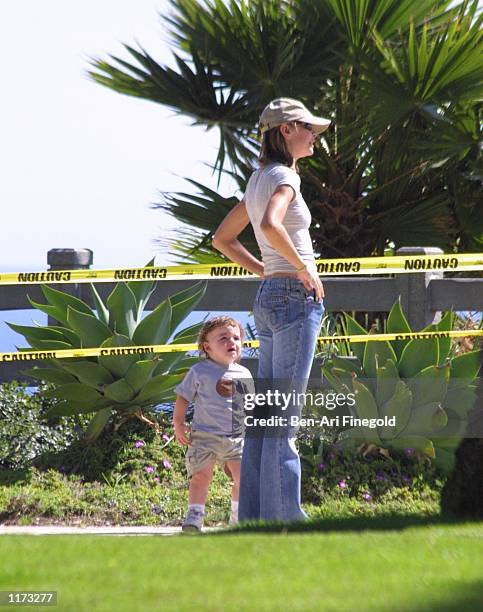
[[121, 452], [129, 475], [112, 485], [24, 430], [426, 387], [52, 498], [133, 475], [400, 79], [331, 472], [113, 386]]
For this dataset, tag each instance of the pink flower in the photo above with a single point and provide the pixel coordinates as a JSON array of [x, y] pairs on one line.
[[149, 469], [367, 496], [139, 443], [342, 484], [156, 479], [166, 437], [167, 464], [321, 466]]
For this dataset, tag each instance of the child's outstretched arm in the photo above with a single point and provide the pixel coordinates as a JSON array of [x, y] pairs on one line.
[[181, 429]]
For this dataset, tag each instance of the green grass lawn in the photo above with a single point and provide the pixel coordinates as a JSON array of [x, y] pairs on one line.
[[428, 567]]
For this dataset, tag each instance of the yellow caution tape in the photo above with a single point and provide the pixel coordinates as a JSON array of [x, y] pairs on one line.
[[326, 267], [176, 348]]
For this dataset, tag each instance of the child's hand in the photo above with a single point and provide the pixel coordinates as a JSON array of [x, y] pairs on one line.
[[182, 431]]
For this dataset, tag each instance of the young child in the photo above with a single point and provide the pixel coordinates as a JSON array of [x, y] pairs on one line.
[[216, 430]]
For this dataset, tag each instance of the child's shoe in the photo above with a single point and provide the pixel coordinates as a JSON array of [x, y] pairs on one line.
[[193, 522]]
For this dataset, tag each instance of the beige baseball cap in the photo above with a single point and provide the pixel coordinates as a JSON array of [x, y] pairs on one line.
[[284, 110]]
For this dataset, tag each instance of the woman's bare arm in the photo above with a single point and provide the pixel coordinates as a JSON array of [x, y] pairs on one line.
[[226, 240]]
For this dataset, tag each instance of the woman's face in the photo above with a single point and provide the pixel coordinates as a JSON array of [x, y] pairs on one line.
[[300, 139]]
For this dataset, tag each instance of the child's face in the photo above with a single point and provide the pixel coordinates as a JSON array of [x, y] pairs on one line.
[[223, 344]]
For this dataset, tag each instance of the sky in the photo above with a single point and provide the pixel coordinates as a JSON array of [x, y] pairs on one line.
[[81, 163]]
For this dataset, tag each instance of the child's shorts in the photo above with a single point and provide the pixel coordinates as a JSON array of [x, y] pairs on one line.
[[207, 447]]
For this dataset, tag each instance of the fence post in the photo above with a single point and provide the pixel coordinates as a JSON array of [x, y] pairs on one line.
[[69, 259], [414, 292]]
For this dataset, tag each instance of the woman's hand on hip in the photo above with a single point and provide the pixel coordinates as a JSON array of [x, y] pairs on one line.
[[311, 282]]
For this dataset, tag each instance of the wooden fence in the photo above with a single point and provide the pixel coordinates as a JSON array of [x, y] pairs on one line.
[[423, 295]]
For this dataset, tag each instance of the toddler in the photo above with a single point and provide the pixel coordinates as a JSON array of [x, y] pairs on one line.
[[215, 384]]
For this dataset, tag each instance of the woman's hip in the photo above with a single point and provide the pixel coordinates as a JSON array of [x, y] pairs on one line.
[[288, 327], [282, 302]]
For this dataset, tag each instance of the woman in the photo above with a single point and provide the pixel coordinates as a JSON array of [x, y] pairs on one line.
[[288, 307]]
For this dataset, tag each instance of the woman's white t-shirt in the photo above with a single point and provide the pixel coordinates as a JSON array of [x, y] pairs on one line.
[[260, 188]]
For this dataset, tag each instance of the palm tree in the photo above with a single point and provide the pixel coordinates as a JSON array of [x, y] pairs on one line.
[[401, 80]]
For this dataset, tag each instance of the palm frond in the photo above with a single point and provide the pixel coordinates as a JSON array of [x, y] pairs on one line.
[[423, 221], [186, 245], [358, 17], [204, 210], [448, 136], [440, 68], [265, 48], [194, 91]]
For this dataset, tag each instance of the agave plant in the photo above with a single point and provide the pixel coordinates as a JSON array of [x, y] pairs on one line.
[[122, 386], [429, 390]]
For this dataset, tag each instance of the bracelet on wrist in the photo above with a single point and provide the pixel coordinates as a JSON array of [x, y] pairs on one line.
[[304, 267]]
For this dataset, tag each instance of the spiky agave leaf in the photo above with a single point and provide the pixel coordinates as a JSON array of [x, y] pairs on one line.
[[169, 361], [101, 310], [142, 291], [36, 336], [89, 328], [123, 310], [118, 365]]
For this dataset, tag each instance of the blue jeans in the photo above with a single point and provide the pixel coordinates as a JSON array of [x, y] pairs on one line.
[[287, 319]]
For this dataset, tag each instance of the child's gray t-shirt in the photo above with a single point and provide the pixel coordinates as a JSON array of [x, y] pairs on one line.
[[217, 391]]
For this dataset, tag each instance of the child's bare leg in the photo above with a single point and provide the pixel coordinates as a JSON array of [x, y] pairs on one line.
[[234, 467], [199, 484]]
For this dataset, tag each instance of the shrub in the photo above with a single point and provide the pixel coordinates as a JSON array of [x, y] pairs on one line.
[[131, 452], [343, 472], [24, 430]]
